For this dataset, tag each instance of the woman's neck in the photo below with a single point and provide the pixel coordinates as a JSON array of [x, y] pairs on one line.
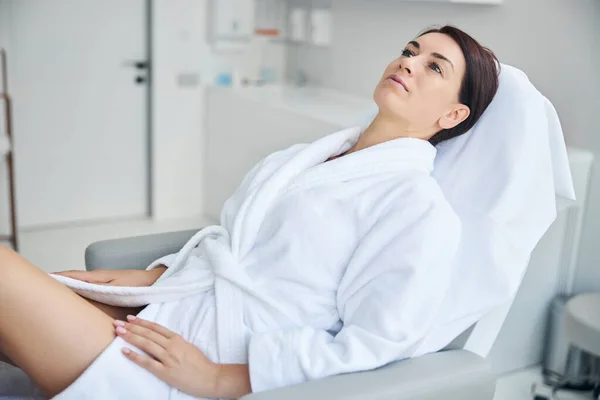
[[382, 129]]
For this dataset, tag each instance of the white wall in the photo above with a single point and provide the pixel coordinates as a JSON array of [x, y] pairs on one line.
[[183, 64], [556, 42], [179, 48], [588, 274]]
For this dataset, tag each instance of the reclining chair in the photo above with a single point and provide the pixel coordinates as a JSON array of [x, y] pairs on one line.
[[459, 372]]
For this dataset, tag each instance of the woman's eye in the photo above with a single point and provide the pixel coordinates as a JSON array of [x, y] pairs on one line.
[[407, 53], [436, 68]]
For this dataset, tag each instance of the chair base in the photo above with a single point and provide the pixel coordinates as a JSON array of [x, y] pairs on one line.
[[547, 392], [565, 367]]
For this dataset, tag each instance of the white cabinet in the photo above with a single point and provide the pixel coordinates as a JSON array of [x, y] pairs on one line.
[[231, 19], [245, 125]]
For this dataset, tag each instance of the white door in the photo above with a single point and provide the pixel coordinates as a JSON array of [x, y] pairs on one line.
[[80, 118]]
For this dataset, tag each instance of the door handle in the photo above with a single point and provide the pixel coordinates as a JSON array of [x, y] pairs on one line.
[[4, 96], [4, 72], [7, 105], [140, 65]]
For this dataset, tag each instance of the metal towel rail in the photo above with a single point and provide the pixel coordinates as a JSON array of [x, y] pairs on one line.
[[12, 238]]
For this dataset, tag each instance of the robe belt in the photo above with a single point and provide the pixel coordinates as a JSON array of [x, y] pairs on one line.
[[230, 283], [229, 279]]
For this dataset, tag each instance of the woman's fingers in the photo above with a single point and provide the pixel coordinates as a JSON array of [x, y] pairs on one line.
[[155, 367], [143, 332], [147, 345], [151, 326], [71, 274], [86, 276]]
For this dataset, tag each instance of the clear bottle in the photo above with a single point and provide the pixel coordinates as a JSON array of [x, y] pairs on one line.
[[265, 68], [264, 55]]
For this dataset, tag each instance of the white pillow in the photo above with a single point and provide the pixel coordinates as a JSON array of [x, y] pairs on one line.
[[502, 178], [511, 164]]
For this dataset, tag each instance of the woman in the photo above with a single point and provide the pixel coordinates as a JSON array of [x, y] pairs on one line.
[[334, 255]]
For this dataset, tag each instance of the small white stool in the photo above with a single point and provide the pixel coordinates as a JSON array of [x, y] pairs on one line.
[[582, 327]]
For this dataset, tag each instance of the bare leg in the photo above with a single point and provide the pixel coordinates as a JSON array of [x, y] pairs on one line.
[[45, 328], [112, 311]]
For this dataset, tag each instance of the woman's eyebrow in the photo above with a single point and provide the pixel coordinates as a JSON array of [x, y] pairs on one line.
[[441, 57], [436, 55]]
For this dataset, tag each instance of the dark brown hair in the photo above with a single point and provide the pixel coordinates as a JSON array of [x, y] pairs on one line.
[[479, 84]]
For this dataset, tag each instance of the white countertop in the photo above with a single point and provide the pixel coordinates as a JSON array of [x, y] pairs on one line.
[[325, 105]]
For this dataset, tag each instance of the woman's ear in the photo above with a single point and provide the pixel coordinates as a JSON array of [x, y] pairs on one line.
[[455, 116]]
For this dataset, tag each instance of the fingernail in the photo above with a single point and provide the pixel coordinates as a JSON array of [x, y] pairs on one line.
[[130, 317], [119, 323], [126, 350], [121, 330]]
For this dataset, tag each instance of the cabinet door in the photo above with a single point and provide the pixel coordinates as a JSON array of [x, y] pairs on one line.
[[233, 19], [244, 17]]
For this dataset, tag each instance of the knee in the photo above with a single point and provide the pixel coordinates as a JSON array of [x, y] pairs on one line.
[[5, 248], [6, 256], [6, 251], [13, 269]]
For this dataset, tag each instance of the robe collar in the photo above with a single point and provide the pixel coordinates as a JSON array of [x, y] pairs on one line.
[[308, 167]]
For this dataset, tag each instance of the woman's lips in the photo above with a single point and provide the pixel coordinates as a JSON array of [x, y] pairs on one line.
[[398, 81]]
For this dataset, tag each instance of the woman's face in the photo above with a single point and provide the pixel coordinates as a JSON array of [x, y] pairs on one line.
[[422, 86]]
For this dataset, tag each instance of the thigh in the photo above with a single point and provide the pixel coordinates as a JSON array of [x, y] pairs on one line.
[[45, 328], [112, 311]]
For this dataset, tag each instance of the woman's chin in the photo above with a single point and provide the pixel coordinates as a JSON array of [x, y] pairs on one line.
[[389, 102]]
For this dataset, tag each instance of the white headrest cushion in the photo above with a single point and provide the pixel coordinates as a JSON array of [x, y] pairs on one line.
[[503, 178]]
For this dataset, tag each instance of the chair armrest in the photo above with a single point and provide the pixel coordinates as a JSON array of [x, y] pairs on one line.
[[134, 252], [448, 375]]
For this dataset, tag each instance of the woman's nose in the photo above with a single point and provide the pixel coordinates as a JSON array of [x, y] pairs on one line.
[[407, 66]]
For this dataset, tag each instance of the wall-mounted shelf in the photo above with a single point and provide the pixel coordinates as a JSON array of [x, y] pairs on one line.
[[232, 24]]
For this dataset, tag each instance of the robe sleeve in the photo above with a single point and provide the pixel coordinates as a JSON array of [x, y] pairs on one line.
[[388, 300], [167, 261]]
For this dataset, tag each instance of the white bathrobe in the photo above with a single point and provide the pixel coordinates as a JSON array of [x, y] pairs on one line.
[[318, 268]]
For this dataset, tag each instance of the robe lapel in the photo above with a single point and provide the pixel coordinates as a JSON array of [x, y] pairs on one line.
[[308, 168], [394, 156], [254, 208]]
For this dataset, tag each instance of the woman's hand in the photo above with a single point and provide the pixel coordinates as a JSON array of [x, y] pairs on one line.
[[180, 363], [117, 277]]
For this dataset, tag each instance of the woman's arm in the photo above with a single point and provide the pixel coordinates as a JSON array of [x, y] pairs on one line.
[[233, 381], [388, 299], [117, 277], [179, 363]]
